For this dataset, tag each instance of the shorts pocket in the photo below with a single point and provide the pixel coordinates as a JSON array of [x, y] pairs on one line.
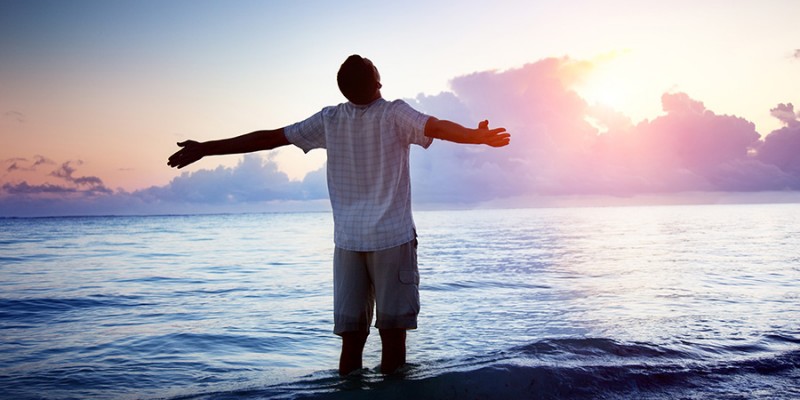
[[409, 277]]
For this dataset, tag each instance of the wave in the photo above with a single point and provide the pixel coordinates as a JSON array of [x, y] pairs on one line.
[[41, 309], [564, 368]]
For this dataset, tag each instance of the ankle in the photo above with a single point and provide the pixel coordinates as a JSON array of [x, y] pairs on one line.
[[393, 353]]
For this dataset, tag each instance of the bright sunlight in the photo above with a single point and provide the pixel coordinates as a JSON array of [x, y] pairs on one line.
[[624, 83]]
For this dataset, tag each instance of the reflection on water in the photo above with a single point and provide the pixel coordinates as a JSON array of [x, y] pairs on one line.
[[637, 273]]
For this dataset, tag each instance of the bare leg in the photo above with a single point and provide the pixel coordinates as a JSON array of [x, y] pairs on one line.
[[393, 349], [352, 349]]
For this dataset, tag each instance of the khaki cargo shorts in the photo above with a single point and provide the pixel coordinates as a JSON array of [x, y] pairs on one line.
[[386, 279]]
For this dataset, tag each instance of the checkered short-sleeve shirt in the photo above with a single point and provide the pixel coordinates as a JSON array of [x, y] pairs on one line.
[[368, 169]]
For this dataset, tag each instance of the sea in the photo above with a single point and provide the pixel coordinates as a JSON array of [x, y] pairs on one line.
[[647, 302]]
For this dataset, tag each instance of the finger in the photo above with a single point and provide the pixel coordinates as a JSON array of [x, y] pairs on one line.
[[500, 143], [176, 158], [497, 130], [178, 164], [483, 124], [500, 140]]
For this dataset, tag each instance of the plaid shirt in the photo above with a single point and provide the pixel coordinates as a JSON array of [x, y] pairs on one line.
[[368, 169]]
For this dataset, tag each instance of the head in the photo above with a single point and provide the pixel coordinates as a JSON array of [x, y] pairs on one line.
[[359, 80]]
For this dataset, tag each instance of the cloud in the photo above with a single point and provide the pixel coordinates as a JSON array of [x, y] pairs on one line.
[[85, 184], [15, 164], [545, 116], [781, 147], [689, 136], [557, 148], [560, 146], [51, 191], [254, 179], [24, 188], [785, 113], [254, 184], [23, 164], [67, 184], [608, 118], [797, 53], [41, 160], [681, 103]]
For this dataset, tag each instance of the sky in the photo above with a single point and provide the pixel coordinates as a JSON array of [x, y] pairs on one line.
[[619, 99]]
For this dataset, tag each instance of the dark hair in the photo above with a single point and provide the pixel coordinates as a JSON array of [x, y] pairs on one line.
[[356, 79]]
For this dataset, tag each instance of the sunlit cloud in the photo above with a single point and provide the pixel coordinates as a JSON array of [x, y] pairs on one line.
[[558, 147], [782, 146], [681, 103], [786, 114]]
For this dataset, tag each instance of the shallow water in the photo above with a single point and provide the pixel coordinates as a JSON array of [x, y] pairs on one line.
[[633, 302]]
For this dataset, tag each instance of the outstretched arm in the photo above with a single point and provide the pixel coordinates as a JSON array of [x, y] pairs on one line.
[[255, 141], [453, 132]]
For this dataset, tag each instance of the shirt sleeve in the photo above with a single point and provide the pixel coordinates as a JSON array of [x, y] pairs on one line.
[[308, 134], [412, 123]]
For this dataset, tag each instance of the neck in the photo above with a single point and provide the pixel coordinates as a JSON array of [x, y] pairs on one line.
[[375, 97]]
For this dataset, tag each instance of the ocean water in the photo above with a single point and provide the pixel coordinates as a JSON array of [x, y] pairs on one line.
[[667, 302]]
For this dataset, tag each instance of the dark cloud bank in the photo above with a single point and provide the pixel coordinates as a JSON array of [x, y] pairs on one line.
[[561, 146]]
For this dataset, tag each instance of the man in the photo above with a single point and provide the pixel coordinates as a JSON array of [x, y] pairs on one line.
[[367, 140]]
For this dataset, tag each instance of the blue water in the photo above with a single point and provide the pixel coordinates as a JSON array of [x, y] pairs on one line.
[[633, 303]]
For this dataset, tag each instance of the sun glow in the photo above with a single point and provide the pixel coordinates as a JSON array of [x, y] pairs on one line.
[[622, 82], [609, 93]]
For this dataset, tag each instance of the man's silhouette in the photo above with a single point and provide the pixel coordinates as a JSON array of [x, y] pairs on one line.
[[367, 140]]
